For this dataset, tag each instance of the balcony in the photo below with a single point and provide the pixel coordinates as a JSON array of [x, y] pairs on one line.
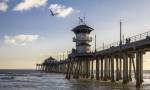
[[82, 39]]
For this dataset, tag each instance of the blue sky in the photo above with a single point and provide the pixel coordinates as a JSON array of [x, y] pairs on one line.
[[29, 33]]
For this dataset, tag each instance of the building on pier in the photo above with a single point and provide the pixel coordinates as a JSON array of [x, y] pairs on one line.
[[49, 64], [82, 38], [81, 58]]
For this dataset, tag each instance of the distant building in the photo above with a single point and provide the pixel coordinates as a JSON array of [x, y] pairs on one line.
[[49, 61], [48, 64]]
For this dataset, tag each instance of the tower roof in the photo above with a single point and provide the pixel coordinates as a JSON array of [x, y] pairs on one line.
[[50, 60], [82, 28]]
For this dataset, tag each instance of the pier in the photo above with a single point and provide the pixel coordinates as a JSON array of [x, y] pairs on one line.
[[114, 62]]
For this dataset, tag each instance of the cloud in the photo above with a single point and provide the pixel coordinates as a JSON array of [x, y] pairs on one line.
[[61, 10], [29, 4], [21, 39], [3, 5]]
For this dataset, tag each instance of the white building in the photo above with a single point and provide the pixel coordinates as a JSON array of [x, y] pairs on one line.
[[82, 38]]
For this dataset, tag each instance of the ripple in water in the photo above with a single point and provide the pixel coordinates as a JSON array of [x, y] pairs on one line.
[[33, 80]]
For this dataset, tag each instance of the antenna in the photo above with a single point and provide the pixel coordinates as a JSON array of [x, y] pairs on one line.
[[84, 17], [95, 42], [120, 32], [80, 20]]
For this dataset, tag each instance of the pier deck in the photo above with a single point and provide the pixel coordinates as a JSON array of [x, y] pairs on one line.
[[114, 62]]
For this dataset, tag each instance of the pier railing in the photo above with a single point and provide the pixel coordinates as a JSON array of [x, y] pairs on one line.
[[115, 44], [126, 41]]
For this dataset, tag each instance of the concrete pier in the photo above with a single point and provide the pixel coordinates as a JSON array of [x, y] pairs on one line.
[[114, 63]]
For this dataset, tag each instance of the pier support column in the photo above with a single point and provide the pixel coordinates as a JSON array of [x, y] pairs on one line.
[[75, 68], [79, 70], [134, 68], [89, 71], [71, 68], [92, 72], [130, 68], [87, 68], [68, 69], [101, 68], [112, 68], [81, 67], [125, 68], [97, 68], [84, 67], [106, 69], [117, 69], [120, 69], [139, 68], [69, 72], [109, 68]]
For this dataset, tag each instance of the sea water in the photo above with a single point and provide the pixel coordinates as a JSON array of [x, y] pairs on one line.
[[35, 80]]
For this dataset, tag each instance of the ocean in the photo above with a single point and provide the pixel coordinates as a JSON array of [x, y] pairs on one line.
[[35, 80]]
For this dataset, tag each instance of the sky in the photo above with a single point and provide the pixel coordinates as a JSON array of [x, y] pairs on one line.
[[29, 33]]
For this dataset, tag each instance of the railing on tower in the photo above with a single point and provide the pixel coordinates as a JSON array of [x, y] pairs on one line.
[[82, 39]]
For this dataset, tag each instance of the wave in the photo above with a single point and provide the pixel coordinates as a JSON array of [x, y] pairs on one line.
[[7, 77]]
